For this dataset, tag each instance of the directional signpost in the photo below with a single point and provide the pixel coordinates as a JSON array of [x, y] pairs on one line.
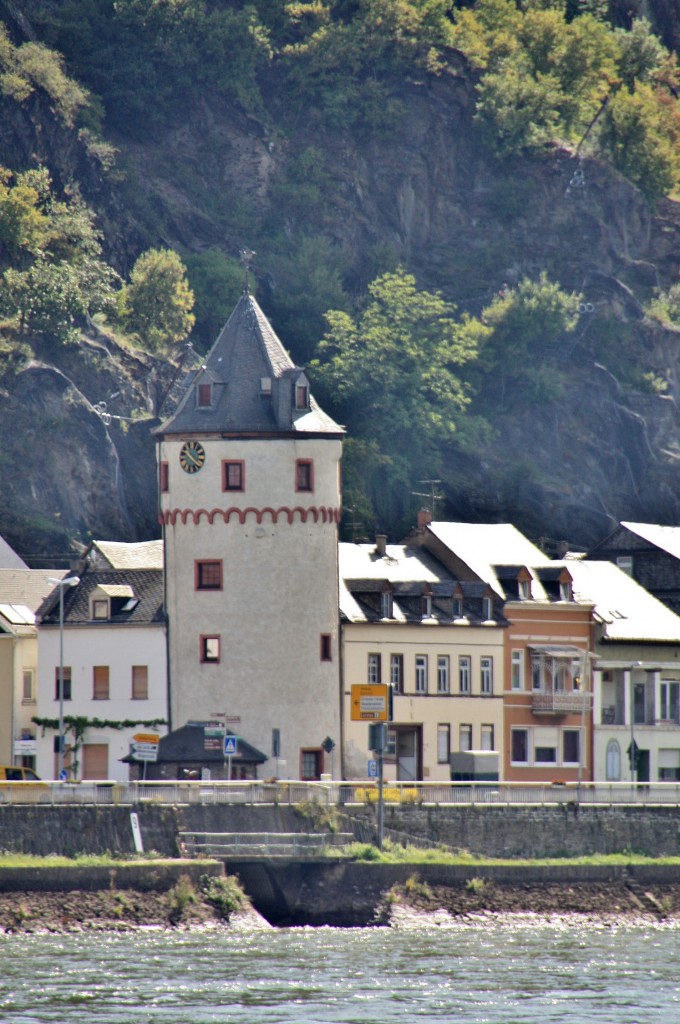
[[144, 747], [370, 703]]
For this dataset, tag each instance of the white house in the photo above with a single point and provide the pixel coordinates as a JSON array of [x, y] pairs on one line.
[[114, 664], [636, 676]]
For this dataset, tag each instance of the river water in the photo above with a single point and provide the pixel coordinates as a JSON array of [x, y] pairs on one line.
[[507, 971]]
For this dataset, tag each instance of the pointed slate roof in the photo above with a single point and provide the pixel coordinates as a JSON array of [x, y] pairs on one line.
[[246, 354]]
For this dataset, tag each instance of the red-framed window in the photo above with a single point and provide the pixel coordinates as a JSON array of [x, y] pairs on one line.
[[164, 477], [304, 475], [210, 649], [233, 475], [204, 396], [208, 574]]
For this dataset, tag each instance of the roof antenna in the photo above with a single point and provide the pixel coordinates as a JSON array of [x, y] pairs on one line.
[[246, 258], [430, 494]]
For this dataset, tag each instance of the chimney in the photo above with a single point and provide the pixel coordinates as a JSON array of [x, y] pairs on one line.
[[424, 518], [380, 544]]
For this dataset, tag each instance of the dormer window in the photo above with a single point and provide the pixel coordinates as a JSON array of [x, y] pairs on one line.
[[386, 607], [426, 605], [458, 608], [265, 385], [100, 608], [204, 396], [111, 599], [566, 593], [301, 395], [487, 608], [524, 588]]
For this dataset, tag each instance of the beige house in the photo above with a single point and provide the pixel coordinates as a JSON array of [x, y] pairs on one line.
[[437, 641], [22, 590]]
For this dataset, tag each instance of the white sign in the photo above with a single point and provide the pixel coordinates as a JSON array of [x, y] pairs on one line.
[[136, 833], [26, 748], [144, 751], [230, 746]]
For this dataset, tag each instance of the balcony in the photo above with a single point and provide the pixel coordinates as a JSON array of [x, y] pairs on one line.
[[560, 702]]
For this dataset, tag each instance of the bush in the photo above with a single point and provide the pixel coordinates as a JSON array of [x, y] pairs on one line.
[[224, 895]]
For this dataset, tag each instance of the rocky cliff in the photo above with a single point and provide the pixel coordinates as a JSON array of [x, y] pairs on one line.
[[425, 193]]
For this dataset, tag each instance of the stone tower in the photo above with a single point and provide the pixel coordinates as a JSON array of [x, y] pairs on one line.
[[249, 471]]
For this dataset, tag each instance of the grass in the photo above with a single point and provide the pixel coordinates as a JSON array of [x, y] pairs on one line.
[[27, 860], [395, 854]]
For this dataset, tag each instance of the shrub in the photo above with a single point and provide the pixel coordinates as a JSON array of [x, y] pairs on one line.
[[224, 895]]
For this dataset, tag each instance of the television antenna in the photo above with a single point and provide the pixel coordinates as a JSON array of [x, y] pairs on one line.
[[433, 484]]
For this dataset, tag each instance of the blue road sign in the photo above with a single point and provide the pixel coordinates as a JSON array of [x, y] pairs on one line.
[[373, 769], [230, 746]]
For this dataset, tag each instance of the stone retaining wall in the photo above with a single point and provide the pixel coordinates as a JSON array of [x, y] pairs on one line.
[[493, 831]]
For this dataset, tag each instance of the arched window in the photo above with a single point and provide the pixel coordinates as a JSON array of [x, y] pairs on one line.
[[613, 761]]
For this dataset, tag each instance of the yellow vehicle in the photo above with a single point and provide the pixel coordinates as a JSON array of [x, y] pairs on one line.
[[15, 773]]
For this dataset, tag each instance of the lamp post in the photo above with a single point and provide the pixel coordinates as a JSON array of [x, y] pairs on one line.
[[70, 581]]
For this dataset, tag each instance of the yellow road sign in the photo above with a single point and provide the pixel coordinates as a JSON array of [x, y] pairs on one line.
[[369, 703]]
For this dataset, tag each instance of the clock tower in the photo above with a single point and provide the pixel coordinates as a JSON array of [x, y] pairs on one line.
[[249, 471]]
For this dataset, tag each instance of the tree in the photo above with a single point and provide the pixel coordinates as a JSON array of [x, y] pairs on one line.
[[641, 134], [394, 371], [526, 324], [157, 303], [46, 299]]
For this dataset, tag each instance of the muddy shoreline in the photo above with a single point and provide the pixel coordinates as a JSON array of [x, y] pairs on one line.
[[124, 910]]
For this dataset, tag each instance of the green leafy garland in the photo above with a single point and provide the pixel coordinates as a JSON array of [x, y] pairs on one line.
[[78, 724]]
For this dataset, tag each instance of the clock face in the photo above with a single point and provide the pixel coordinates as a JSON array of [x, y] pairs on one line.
[[192, 457]]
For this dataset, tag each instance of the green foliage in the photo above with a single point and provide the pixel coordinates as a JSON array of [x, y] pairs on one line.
[[55, 274], [308, 271], [146, 59], [476, 884], [46, 298], [224, 895], [180, 898], [33, 65], [157, 302], [525, 323], [216, 281], [394, 370], [640, 132]]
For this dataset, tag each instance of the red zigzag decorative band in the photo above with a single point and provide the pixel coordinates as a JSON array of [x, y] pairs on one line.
[[323, 515]]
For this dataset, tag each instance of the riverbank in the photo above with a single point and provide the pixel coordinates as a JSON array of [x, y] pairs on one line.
[[620, 900], [201, 901]]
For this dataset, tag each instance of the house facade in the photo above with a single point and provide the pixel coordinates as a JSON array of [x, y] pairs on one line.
[[250, 502], [114, 664], [546, 697], [636, 677], [22, 591], [438, 643]]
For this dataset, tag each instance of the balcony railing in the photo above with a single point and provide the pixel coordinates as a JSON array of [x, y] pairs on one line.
[[560, 702]]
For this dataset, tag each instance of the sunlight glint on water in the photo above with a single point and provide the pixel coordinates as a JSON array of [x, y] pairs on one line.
[[476, 973]]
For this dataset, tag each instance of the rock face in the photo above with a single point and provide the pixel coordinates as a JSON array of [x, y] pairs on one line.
[[604, 446]]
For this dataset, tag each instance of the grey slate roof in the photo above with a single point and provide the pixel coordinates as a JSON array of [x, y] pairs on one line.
[[626, 611], [146, 584], [188, 744], [408, 573], [246, 352]]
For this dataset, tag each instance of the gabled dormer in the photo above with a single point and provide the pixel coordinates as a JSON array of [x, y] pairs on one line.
[[566, 583], [109, 600]]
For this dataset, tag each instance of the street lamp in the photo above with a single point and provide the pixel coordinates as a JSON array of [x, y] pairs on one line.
[[70, 581]]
